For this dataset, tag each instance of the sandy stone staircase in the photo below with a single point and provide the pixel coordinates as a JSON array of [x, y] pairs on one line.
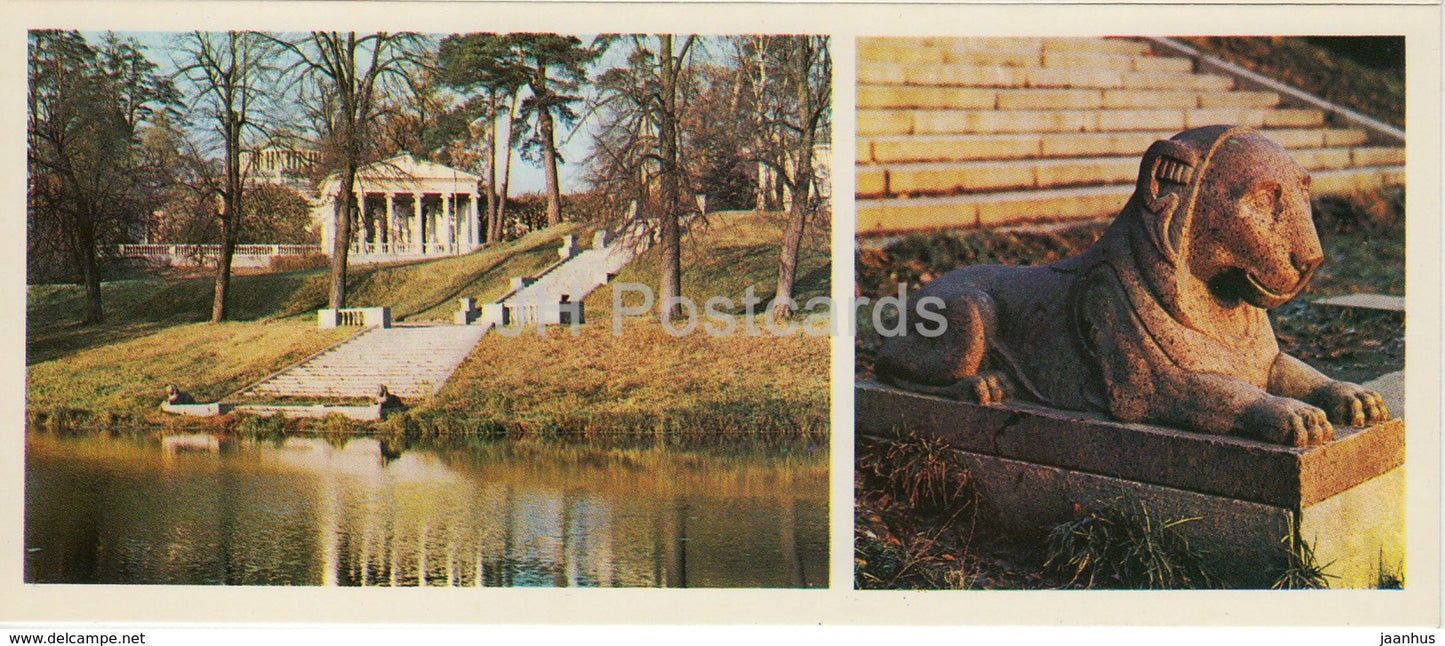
[[412, 361], [957, 132]]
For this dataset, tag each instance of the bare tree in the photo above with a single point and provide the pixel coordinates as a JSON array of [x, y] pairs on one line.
[[89, 179], [809, 77], [642, 131], [231, 74], [346, 76]]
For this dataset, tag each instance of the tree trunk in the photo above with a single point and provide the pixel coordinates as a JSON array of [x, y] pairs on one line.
[[759, 94], [90, 275], [549, 154], [220, 305], [506, 171], [492, 170], [230, 223], [802, 189], [671, 283], [549, 164], [341, 246]]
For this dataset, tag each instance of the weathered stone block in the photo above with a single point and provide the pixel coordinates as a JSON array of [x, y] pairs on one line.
[[1377, 156], [1042, 99], [884, 122], [495, 314], [1293, 118], [1091, 171], [1069, 204], [1297, 138], [1323, 158], [948, 178], [1162, 64], [1033, 465], [1096, 144], [881, 73], [1239, 99], [1096, 45], [955, 148], [1015, 121], [1150, 99], [1239, 116], [1111, 120], [966, 75], [871, 182], [1064, 78], [918, 214], [955, 98], [1345, 137], [1004, 57], [898, 54]]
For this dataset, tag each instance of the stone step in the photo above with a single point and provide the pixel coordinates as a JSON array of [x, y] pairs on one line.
[[893, 215], [411, 361], [1016, 57], [1380, 302], [943, 178], [972, 98], [874, 47], [874, 122], [968, 147], [987, 76]]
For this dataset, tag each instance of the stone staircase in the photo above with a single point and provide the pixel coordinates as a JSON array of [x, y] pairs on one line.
[[956, 132], [580, 273], [412, 361]]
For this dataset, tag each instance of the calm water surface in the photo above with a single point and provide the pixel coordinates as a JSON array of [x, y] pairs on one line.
[[193, 510]]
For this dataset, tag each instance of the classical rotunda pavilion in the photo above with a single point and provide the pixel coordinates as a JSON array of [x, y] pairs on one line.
[[406, 208]]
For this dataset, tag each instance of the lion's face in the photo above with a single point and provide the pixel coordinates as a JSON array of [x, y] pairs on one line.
[[1252, 237]]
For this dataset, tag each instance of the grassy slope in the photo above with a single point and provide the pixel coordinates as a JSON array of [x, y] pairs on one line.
[[641, 381], [1314, 69], [117, 372], [125, 382], [645, 379], [731, 252], [422, 290]]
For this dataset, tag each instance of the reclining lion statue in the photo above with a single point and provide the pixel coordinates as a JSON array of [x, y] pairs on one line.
[[1163, 319]]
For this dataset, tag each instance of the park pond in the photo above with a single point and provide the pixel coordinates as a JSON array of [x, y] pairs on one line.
[[198, 509]]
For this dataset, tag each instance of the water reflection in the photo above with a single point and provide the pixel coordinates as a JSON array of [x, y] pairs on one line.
[[196, 510]]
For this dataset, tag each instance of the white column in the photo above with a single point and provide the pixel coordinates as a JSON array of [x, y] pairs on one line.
[[390, 218], [358, 233], [416, 241], [445, 229], [476, 221]]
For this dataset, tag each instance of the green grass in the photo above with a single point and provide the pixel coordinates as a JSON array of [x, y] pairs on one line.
[[643, 385], [116, 373], [422, 290], [123, 383]]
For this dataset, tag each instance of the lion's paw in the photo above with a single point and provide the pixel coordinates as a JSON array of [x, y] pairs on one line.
[[1350, 404], [985, 388], [1288, 421]]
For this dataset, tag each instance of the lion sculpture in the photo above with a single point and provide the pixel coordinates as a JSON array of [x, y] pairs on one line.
[[1163, 319]]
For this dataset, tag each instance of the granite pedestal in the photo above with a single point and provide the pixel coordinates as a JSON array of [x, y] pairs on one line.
[[1035, 467]]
